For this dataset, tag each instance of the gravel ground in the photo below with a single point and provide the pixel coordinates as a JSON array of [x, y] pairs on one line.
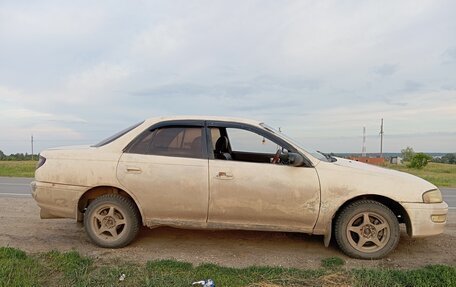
[[22, 228]]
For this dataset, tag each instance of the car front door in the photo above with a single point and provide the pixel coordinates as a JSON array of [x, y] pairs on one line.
[[166, 168], [248, 191]]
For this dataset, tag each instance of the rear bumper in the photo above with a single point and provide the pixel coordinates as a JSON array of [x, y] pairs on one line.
[[426, 219], [56, 200]]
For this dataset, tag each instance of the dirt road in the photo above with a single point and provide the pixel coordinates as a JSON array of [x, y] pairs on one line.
[[22, 228]]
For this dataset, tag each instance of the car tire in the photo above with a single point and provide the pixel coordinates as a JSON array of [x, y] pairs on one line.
[[367, 229], [112, 221]]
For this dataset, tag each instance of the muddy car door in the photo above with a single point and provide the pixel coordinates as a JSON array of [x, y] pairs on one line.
[[166, 168], [250, 187]]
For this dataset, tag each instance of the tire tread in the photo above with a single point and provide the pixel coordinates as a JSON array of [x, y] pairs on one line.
[[131, 209], [368, 204]]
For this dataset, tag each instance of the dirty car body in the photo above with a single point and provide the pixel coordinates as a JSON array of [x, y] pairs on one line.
[[226, 173]]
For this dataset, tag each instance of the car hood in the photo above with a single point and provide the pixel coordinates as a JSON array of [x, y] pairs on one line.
[[369, 167], [360, 178]]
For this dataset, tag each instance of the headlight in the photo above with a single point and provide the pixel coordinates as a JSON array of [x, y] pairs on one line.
[[432, 196]]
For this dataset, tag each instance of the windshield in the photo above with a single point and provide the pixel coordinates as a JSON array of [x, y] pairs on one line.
[[116, 135], [314, 153]]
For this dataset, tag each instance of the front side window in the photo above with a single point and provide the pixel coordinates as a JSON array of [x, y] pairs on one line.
[[239, 144], [313, 152], [170, 141], [247, 141]]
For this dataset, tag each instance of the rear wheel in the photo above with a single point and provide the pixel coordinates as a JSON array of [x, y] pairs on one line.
[[112, 221], [367, 229]]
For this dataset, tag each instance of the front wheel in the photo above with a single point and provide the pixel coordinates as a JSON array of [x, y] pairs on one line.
[[367, 229], [112, 221]]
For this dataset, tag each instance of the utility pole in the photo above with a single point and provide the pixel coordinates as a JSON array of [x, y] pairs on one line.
[[381, 140], [31, 140], [364, 143]]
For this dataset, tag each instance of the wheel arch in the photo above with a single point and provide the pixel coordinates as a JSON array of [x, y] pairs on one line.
[[398, 210], [97, 191]]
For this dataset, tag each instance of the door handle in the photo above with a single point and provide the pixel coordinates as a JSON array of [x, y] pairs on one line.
[[133, 169], [224, 175]]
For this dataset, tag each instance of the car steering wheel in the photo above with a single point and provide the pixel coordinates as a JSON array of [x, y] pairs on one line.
[[276, 157]]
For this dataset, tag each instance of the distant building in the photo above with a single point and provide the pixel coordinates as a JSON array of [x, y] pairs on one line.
[[396, 160], [370, 160]]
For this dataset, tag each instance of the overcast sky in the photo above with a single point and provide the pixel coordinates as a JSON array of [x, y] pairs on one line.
[[74, 72]]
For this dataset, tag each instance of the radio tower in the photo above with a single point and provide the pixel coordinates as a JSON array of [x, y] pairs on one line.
[[364, 142]]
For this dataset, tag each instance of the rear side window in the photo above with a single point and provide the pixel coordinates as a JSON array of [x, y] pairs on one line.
[[170, 141], [117, 135]]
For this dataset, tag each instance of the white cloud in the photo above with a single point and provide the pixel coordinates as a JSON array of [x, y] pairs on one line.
[[96, 83], [317, 68], [425, 112], [159, 41]]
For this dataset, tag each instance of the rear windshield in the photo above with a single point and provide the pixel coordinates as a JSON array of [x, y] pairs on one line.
[[116, 135]]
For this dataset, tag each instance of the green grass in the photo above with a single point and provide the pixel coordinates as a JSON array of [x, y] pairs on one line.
[[71, 269], [332, 262], [24, 168], [435, 275], [18, 269], [440, 174]]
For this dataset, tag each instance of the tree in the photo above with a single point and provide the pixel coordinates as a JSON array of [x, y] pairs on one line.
[[449, 158], [407, 153], [419, 160]]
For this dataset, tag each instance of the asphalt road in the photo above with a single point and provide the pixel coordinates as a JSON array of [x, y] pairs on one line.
[[19, 187], [15, 186]]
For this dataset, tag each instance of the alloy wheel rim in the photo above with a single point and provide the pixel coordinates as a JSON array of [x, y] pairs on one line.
[[368, 232], [109, 223]]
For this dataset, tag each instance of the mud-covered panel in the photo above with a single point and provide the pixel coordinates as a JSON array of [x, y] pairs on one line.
[[57, 199], [83, 167], [255, 194], [167, 188], [344, 180], [421, 218]]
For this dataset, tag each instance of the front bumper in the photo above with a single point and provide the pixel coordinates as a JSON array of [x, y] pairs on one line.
[[57, 200], [426, 219]]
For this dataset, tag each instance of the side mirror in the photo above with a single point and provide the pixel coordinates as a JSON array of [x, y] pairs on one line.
[[295, 159]]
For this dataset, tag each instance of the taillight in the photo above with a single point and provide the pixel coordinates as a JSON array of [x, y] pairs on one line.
[[41, 161]]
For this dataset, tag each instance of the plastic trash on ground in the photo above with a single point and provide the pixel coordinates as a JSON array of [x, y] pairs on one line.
[[207, 283]]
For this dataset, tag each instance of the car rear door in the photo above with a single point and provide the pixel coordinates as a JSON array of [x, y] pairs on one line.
[[166, 168]]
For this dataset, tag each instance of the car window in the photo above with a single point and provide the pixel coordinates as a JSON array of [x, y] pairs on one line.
[[116, 135], [246, 141], [171, 141]]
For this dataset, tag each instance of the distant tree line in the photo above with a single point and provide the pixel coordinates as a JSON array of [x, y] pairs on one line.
[[420, 160], [448, 158], [17, 156]]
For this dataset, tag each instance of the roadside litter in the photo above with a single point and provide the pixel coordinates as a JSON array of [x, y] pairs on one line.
[[207, 283]]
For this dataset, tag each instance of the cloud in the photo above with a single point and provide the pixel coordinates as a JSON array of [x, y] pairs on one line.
[[449, 56], [314, 68], [385, 70], [95, 83]]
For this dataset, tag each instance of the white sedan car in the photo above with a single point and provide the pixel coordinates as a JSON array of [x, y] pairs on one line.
[[225, 173]]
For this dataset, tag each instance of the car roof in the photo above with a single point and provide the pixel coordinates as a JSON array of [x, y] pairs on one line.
[[204, 118]]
